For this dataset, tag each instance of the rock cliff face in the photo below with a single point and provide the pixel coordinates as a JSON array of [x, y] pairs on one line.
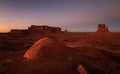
[[35, 29], [43, 29], [102, 28], [102, 31]]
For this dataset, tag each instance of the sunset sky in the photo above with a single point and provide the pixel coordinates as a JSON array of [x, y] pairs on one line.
[[74, 15]]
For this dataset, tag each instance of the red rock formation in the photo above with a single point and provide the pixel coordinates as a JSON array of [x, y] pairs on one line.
[[43, 29], [102, 31], [47, 48], [18, 32], [81, 69], [66, 31], [102, 28], [35, 29]]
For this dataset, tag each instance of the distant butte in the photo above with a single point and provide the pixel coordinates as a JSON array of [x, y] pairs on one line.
[[45, 29], [35, 29], [102, 31], [102, 28]]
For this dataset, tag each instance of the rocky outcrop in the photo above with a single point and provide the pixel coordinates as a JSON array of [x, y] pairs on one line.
[[18, 32], [43, 29], [102, 28], [66, 31], [102, 31], [47, 48], [81, 69], [35, 29]]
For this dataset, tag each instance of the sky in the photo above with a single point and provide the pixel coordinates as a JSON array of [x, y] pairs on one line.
[[74, 15]]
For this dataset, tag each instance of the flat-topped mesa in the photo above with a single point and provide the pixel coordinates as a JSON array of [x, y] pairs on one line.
[[35, 29], [43, 29], [102, 28]]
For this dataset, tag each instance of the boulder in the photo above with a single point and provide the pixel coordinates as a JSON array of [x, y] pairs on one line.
[[81, 69]]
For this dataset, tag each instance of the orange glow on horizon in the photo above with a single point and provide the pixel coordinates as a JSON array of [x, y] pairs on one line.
[[7, 28], [4, 29]]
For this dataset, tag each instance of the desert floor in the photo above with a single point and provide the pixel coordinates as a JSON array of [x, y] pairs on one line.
[[98, 54]]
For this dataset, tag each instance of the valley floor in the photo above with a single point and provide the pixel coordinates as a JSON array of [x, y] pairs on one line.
[[98, 54]]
